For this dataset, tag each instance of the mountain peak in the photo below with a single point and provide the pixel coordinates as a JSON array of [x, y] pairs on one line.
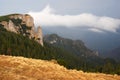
[[75, 46], [21, 24]]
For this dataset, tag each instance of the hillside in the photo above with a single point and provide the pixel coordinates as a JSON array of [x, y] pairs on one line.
[[19, 68], [9, 42]]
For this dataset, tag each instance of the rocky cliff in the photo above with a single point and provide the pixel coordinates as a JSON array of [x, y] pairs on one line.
[[22, 24]]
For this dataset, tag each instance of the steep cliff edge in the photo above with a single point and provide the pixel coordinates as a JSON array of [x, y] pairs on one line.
[[22, 24], [19, 68]]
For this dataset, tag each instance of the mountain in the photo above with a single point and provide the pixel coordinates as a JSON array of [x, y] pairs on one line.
[[18, 38], [22, 24], [15, 41], [102, 42], [20, 68], [19, 45], [76, 47]]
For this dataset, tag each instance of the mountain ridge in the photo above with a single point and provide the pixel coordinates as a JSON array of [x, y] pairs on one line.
[[75, 46], [101, 42]]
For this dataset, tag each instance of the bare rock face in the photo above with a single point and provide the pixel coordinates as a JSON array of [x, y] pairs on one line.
[[22, 24], [26, 19], [39, 36], [11, 26]]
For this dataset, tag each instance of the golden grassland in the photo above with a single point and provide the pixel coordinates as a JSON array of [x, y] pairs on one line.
[[20, 68]]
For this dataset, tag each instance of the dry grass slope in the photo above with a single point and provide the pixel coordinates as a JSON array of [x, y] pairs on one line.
[[19, 68]]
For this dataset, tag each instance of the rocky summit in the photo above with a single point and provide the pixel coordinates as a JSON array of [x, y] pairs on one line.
[[22, 24]]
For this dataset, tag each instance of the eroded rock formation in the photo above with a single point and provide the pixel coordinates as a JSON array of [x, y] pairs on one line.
[[22, 24]]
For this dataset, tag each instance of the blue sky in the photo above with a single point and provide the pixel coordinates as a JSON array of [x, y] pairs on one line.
[[98, 7]]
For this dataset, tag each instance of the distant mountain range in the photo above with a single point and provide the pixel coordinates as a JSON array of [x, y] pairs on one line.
[[74, 46], [103, 42]]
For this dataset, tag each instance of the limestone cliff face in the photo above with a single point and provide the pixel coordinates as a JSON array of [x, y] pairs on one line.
[[39, 35], [22, 24]]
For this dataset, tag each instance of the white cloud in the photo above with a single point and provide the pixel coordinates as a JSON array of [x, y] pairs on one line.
[[96, 30], [47, 17]]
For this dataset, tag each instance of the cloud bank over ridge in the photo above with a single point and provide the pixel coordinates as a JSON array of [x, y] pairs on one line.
[[48, 17]]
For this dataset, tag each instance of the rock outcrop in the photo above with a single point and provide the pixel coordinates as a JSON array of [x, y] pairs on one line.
[[22, 24]]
